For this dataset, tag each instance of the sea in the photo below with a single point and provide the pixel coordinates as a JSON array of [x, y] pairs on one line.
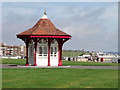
[[112, 53]]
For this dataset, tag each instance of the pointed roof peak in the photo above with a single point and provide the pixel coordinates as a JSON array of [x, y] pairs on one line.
[[45, 15]]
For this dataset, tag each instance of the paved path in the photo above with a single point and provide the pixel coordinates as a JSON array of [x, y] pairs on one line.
[[77, 67], [96, 67]]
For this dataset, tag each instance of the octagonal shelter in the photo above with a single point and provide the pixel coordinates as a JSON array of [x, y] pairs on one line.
[[44, 43]]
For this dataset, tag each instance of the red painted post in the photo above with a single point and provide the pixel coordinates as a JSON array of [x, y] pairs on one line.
[[102, 59], [60, 43], [49, 44], [35, 46], [27, 42]]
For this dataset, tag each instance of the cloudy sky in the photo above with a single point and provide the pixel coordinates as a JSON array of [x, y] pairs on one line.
[[92, 25]]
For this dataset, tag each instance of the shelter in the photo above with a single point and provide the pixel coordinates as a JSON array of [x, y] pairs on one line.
[[44, 43]]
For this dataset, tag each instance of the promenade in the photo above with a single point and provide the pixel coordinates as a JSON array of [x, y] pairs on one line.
[[71, 67]]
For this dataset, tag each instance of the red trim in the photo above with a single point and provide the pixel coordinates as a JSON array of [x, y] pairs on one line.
[[52, 36], [49, 44], [60, 43], [27, 64], [44, 36]]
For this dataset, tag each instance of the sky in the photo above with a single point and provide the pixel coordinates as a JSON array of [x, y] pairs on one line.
[[92, 25]]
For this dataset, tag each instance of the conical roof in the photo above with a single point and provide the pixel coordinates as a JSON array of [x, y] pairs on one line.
[[44, 27]]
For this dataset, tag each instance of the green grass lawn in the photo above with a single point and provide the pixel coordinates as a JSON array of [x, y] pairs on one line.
[[78, 63], [71, 53], [13, 61], [59, 78], [65, 63]]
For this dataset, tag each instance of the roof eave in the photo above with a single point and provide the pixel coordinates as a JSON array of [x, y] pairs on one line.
[[43, 36]]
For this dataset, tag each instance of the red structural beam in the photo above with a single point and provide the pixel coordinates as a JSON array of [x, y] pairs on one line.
[[27, 36], [52, 36], [49, 44], [60, 44]]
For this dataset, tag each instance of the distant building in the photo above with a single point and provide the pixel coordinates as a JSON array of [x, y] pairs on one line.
[[12, 50], [22, 50]]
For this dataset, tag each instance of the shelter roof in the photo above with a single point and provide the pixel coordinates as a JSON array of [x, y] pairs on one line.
[[44, 27]]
